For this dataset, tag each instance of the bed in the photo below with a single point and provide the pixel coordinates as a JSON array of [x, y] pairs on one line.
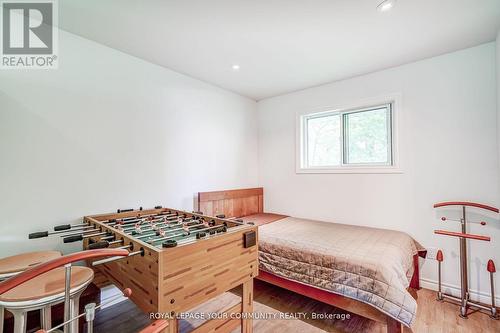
[[334, 263]]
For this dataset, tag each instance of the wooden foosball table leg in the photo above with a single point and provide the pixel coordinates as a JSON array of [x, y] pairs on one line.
[[173, 326], [247, 307]]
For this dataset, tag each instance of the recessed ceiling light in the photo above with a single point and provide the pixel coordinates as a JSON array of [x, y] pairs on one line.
[[386, 5], [236, 67]]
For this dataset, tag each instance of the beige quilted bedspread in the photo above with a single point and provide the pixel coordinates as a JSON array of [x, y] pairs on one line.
[[367, 264]]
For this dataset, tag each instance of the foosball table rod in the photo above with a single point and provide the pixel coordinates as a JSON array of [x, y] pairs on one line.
[[42, 234], [161, 220], [168, 232], [112, 259], [167, 229], [151, 233], [131, 218], [134, 220], [79, 236], [63, 228], [86, 231], [196, 233], [161, 234], [78, 232], [159, 224]]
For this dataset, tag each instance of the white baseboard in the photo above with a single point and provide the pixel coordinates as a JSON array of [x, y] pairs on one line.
[[455, 291]]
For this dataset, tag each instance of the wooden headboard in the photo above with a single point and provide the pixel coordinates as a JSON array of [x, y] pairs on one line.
[[232, 203]]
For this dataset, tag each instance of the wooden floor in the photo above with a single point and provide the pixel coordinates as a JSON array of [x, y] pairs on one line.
[[432, 317]]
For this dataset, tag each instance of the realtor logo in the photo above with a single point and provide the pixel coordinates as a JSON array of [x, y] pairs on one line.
[[29, 34]]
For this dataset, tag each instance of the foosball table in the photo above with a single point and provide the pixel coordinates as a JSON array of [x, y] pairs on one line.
[[177, 260]]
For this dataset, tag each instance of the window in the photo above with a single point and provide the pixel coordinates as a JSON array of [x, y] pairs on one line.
[[354, 139]]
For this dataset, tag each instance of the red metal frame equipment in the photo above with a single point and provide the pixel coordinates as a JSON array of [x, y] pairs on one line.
[[464, 299]]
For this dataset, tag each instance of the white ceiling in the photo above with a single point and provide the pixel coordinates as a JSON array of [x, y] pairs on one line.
[[281, 45]]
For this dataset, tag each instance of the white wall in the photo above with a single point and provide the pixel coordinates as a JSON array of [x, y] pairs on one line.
[[448, 151], [107, 131]]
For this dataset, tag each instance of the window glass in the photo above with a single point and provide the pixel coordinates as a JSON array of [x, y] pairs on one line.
[[351, 138], [323, 141], [367, 137]]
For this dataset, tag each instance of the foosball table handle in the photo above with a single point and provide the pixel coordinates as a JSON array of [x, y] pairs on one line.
[[62, 227], [129, 210], [40, 234], [98, 245], [64, 230], [72, 239], [124, 210]]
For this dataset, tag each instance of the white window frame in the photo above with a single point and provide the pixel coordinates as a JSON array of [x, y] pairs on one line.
[[301, 134]]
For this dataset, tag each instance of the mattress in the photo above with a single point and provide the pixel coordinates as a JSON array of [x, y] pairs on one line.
[[370, 265]]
